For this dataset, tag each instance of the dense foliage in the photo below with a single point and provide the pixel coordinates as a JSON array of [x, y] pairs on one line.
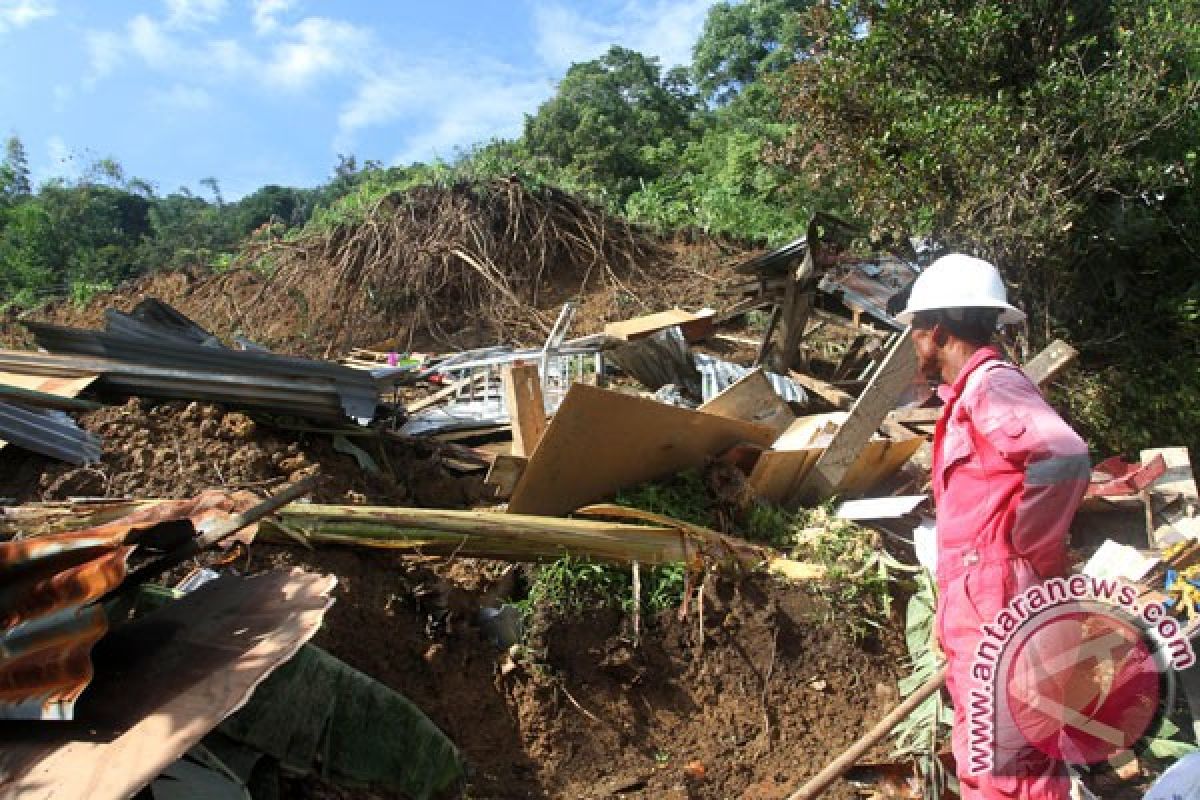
[[1057, 137]]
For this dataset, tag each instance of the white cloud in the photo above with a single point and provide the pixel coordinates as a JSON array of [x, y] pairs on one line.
[[19, 13], [442, 106], [266, 13], [183, 98], [62, 97], [105, 51], [315, 47], [149, 42], [193, 13], [663, 28]]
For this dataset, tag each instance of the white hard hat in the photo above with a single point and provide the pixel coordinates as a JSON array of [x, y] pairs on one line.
[[959, 281]]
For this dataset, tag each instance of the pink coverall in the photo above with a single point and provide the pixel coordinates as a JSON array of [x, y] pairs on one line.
[[1008, 475]]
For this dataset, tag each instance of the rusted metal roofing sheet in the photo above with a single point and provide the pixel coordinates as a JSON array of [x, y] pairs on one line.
[[49, 586], [51, 433], [156, 695]]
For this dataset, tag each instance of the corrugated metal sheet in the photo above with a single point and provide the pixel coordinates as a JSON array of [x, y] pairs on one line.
[[46, 584], [51, 433], [303, 396], [870, 285], [48, 589], [357, 393], [719, 375]]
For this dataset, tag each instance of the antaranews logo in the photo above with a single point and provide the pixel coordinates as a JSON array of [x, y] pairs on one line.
[[1075, 669]]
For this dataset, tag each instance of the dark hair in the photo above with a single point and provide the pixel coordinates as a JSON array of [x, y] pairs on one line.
[[974, 326]]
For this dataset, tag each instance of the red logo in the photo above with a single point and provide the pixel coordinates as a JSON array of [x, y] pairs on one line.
[[1082, 684]]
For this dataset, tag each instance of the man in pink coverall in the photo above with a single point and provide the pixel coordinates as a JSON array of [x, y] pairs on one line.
[[1008, 475]]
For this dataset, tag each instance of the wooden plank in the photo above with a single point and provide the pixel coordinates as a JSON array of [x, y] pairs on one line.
[[441, 394], [1176, 490], [601, 441], [504, 473], [915, 416], [695, 327], [827, 392], [894, 375], [526, 407], [752, 399], [778, 474], [1050, 363]]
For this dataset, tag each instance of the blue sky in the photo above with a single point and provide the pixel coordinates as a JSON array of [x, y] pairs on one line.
[[253, 92]]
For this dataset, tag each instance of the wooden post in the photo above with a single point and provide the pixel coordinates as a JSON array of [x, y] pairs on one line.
[[1050, 363], [893, 376], [526, 408], [842, 764]]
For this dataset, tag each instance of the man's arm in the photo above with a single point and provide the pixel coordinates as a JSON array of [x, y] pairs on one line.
[[1033, 438]]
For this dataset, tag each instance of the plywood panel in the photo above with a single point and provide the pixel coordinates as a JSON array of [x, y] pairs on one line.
[[752, 399], [601, 441]]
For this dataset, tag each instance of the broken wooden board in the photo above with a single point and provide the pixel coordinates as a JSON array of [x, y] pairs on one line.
[[844, 453], [601, 441], [752, 399], [695, 327], [829, 393], [1050, 363], [778, 474], [163, 682], [1174, 497], [504, 473], [526, 407]]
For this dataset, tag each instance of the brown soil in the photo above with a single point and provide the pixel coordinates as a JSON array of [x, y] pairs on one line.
[[772, 692], [177, 449]]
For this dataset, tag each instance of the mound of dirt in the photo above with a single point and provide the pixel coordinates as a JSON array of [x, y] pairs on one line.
[[432, 268], [177, 449]]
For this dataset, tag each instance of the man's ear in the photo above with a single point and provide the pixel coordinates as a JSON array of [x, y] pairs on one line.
[[940, 335]]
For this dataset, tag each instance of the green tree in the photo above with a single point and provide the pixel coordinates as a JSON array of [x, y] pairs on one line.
[[604, 116], [14, 172], [743, 42], [1057, 137]]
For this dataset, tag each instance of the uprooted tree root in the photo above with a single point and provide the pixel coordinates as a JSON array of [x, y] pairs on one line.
[[437, 256]]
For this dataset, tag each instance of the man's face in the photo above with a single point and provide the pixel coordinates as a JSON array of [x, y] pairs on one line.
[[929, 356]]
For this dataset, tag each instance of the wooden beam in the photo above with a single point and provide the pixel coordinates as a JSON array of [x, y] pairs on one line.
[[441, 394], [1050, 363], [526, 407], [890, 380], [830, 394]]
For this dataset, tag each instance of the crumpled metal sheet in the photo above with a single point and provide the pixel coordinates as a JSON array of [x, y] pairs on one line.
[[48, 587], [164, 681], [718, 375]]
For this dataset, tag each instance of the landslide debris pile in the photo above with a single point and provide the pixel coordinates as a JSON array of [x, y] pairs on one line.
[[436, 257]]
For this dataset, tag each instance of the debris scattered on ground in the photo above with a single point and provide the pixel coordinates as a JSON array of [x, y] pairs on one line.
[[718, 640]]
